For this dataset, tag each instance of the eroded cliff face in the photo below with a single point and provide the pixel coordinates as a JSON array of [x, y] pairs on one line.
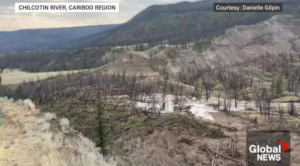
[[276, 35], [280, 34]]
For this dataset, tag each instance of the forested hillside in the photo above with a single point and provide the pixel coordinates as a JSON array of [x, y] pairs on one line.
[[177, 23], [188, 102], [39, 61], [34, 39]]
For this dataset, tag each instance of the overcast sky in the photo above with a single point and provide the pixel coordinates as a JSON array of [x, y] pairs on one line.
[[13, 21]]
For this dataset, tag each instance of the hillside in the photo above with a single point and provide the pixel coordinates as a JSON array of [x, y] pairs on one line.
[[241, 43], [177, 23], [34, 39], [29, 137], [184, 104], [40, 61], [279, 34], [171, 138]]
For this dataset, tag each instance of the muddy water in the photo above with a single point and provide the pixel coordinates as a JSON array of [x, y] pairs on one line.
[[201, 108]]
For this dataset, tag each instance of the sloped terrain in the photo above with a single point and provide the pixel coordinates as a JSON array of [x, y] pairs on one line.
[[280, 34], [240, 44], [181, 22], [205, 107], [163, 60], [36, 39], [133, 63], [178, 139], [174, 59], [42, 61], [26, 139]]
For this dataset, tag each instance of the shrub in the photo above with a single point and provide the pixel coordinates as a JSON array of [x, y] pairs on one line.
[[49, 116], [64, 123]]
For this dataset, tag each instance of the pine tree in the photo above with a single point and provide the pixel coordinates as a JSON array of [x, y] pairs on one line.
[[278, 87], [272, 88], [101, 128]]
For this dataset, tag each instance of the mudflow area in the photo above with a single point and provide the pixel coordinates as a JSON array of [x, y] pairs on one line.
[[197, 132]]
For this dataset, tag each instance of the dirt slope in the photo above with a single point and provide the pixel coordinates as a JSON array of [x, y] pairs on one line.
[[26, 140], [280, 34], [276, 35], [133, 63], [176, 141]]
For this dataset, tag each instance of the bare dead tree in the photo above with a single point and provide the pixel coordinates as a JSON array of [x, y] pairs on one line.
[[258, 100], [180, 103], [292, 108], [151, 109], [219, 102], [297, 87], [133, 83], [227, 100], [206, 81]]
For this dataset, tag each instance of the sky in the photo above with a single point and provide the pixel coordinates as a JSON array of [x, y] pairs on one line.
[[11, 21]]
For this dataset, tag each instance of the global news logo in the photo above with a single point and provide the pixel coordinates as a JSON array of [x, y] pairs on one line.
[[268, 153]]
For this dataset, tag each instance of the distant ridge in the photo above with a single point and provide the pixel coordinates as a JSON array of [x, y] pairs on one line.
[[36, 39], [178, 23]]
